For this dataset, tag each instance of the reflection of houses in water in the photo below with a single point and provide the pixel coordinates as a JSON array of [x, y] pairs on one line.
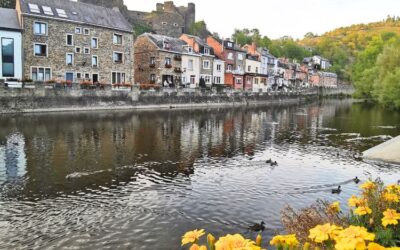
[[12, 158]]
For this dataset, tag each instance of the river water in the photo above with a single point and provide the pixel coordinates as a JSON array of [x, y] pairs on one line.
[[139, 180]]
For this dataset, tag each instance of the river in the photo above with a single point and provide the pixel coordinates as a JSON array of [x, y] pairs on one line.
[[139, 180]]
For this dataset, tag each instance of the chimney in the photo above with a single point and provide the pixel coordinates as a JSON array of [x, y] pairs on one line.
[[253, 48]]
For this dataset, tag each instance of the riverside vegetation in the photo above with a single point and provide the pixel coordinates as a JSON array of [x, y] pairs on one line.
[[372, 223]]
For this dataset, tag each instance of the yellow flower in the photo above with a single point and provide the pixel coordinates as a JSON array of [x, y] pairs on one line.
[[354, 201], [235, 242], [197, 247], [284, 240], [259, 240], [192, 236], [363, 210], [393, 188], [352, 238], [323, 233], [367, 186], [391, 197], [211, 241], [334, 207], [390, 217], [375, 246]]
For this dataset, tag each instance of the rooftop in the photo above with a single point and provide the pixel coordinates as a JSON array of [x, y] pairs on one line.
[[9, 19], [76, 12], [175, 44]]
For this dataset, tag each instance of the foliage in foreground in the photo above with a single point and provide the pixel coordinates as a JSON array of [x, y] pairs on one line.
[[373, 224]]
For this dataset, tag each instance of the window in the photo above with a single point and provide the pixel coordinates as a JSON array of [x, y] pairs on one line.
[[34, 8], [192, 79], [86, 50], [95, 43], [47, 11], [190, 64], [238, 80], [70, 40], [70, 59], [230, 44], [229, 68], [118, 77], [240, 56], [217, 79], [168, 61], [166, 45], [79, 75], [7, 57], [255, 80], [206, 51], [249, 68], [117, 39], [78, 50], [40, 74], [118, 57], [206, 64], [61, 13], [86, 31], [219, 67], [176, 25], [87, 75], [40, 28], [152, 60], [190, 49], [95, 61], [40, 49], [256, 69], [78, 30], [230, 56], [207, 79], [153, 77], [164, 23]]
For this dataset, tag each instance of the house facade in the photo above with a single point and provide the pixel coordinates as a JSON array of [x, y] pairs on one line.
[[234, 59], [73, 41], [324, 79], [159, 60], [191, 63], [11, 45], [252, 79], [219, 72], [207, 57]]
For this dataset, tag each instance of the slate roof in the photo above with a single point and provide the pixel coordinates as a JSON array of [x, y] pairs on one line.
[[176, 44], [199, 41], [9, 19], [80, 13]]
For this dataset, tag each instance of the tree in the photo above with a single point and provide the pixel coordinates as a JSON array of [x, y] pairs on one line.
[[199, 29], [7, 4]]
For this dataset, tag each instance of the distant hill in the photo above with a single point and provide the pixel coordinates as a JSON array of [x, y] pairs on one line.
[[355, 37]]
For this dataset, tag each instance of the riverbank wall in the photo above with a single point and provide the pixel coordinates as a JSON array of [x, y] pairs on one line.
[[40, 99]]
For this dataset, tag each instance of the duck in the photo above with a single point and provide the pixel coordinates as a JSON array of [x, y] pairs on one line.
[[257, 227], [274, 163], [337, 190], [358, 156], [356, 180], [269, 161]]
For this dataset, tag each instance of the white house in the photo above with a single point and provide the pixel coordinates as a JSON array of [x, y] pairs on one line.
[[11, 45], [218, 72], [253, 80], [191, 67]]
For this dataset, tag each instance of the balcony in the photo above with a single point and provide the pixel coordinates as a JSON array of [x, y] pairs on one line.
[[178, 58], [238, 72], [178, 70], [152, 65], [168, 65]]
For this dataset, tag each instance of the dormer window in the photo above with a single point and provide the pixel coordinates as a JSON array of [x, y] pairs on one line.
[[166, 45], [47, 10], [34, 8], [230, 44], [190, 49], [61, 13], [206, 51]]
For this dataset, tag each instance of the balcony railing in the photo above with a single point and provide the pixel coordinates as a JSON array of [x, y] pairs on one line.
[[168, 66]]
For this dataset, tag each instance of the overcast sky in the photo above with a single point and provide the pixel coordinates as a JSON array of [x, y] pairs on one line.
[[277, 18]]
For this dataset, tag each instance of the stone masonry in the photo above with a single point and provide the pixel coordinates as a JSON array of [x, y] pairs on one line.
[[57, 49]]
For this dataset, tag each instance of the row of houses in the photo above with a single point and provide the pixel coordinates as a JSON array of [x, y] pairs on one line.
[[52, 40]]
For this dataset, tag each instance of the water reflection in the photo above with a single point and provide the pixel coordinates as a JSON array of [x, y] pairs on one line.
[[139, 180]]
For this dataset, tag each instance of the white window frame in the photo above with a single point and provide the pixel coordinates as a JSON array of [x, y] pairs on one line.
[[219, 67], [118, 53], [34, 8], [97, 42], [190, 64], [86, 33], [78, 47], [122, 39], [80, 30], [122, 78], [206, 51], [46, 31], [61, 13], [209, 64], [84, 50], [229, 68], [72, 56], [66, 39], [47, 10], [47, 49], [230, 56], [97, 60], [44, 76], [84, 76], [240, 57], [76, 75]]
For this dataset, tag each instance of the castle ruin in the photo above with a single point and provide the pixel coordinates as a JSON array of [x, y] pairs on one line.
[[168, 19]]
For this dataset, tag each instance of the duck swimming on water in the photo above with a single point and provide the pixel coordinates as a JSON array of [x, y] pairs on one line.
[[356, 180], [257, 227], [337, 190]]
